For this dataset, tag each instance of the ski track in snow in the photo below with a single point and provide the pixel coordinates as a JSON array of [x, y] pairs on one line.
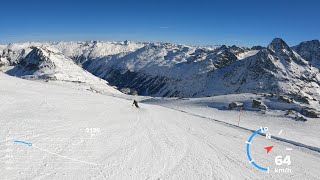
[[152, 142]]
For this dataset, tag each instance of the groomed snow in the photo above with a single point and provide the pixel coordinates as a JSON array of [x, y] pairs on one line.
[[275, 118], [153, 142]]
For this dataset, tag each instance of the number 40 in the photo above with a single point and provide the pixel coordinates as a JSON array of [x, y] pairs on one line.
[[279, 161]]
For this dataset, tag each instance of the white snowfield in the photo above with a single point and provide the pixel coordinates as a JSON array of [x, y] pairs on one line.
[[77, 134], [216, 108]]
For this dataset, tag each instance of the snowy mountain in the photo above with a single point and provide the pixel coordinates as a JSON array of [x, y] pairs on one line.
[[275, 69], [310, 51], [49, 64], [171, 70], [165, 69], [78, 51]]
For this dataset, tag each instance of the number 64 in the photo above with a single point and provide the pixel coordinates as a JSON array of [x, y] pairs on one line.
[[279, 161]]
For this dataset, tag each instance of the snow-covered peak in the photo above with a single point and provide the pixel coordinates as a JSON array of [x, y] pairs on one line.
[[278, 44], [310, 51], [284, 53], [48, 63], [38, 58]]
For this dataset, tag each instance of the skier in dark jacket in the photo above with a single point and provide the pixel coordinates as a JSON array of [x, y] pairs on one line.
[[135, 103]]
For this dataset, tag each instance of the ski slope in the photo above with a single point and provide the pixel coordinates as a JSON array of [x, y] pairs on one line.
[[217, 108], [152, 142]]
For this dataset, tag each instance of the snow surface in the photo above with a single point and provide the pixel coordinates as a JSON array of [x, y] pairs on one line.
[[247, 54], [153, 142], [275, 118]]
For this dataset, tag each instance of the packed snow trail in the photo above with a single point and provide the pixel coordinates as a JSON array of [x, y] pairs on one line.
[[152, 142], [275, 137], [216, 109]]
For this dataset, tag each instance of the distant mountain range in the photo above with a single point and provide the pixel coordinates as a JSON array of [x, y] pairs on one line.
[[170, 70]]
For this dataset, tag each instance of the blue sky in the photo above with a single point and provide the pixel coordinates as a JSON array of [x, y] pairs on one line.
[[242, 22]]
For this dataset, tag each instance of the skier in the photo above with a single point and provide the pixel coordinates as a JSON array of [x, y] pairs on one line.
[[135, 103]]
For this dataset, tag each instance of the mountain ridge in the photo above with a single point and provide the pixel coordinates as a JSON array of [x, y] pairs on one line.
[[166, 69], [51, 65]]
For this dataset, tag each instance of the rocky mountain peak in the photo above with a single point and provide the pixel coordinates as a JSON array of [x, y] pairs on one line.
[[314, 42], [256, 47], [38, 58], [313, 45], [310, 51], [281, 49], [278, 44]]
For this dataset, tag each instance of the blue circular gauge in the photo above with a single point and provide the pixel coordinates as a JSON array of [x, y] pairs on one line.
[[248, 150]]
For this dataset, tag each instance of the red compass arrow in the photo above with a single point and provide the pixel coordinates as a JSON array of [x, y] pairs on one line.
[[268, 148]]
